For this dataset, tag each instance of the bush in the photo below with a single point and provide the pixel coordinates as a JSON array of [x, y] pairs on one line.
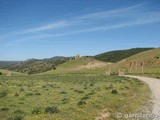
[[16, 94], [4, 109], [3, 94], [92, 93], [18, 112], [0, 73], [114, 92], [63, 92], [109, 87], [51, 109], [82, 102], [16, 117], [65, 100], [91, 84], [85, 98], [114, 73], [22, 89], [29, 94], [36, 110], [37, 93], [78, 91]]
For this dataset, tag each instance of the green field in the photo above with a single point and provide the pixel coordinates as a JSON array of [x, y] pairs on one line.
[[150, 59], [69, 96], [79, 89]]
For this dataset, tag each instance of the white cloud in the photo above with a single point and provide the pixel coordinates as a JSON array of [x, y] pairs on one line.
[[133, 15], [152, 18], [109, 13], [54, 25], [80, 18]]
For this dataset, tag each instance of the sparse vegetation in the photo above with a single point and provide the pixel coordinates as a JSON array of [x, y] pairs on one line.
[[3, 94], [34, 66], [72, 93], [51, 109], [115, 56], [66, 96], [36, 110], [4, 109]]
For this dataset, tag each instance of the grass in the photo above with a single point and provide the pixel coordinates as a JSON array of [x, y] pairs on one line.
[[74, 96], [7, 72], [75, 66], [118, 55], [150, 58]]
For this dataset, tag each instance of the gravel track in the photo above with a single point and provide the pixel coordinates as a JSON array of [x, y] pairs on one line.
[[154, 85]]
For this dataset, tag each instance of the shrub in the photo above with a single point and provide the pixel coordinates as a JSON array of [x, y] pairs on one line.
[[109, 87], [114, 73], [92, 93], [16, 94], [85, 88], [29, 94], [37, 93], [63, 92], [16, 117], [0, 73], [22, 89], [81, 102], [4, 109], [127, 87], [114, 92], [98, 89], [3, 94], [65, 100], [36, 110], [18, 112], [78, 91], [91, 84], [85, 98], [51, 109]]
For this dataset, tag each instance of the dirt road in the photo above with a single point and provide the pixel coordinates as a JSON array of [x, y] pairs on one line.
[[154, 85]]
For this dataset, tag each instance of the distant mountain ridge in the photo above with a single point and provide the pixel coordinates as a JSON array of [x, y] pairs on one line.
[[34, 66], [4, 64], [118, 55]]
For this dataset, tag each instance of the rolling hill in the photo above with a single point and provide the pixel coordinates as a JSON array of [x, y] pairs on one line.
[[34, 66], [4, 64], [79, 64], [118, 60], [133, 64], [9, 73], [118, 55]]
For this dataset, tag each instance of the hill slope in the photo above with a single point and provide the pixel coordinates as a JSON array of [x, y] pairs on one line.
[[133, 64], [8, 72], [118, 55], [82, 63], [34, 66], [4, 64]]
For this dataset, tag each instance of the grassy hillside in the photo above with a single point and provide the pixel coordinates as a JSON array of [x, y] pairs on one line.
[[150, 59], [34, 66], [118, 55], [79, 64], [69, 97], [8, 72], [77, 90], [4, 64]]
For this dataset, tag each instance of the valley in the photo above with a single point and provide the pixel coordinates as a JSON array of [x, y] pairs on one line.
[[80, 88]]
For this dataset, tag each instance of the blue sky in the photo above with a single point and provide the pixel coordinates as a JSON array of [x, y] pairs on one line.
[[47, 28]]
